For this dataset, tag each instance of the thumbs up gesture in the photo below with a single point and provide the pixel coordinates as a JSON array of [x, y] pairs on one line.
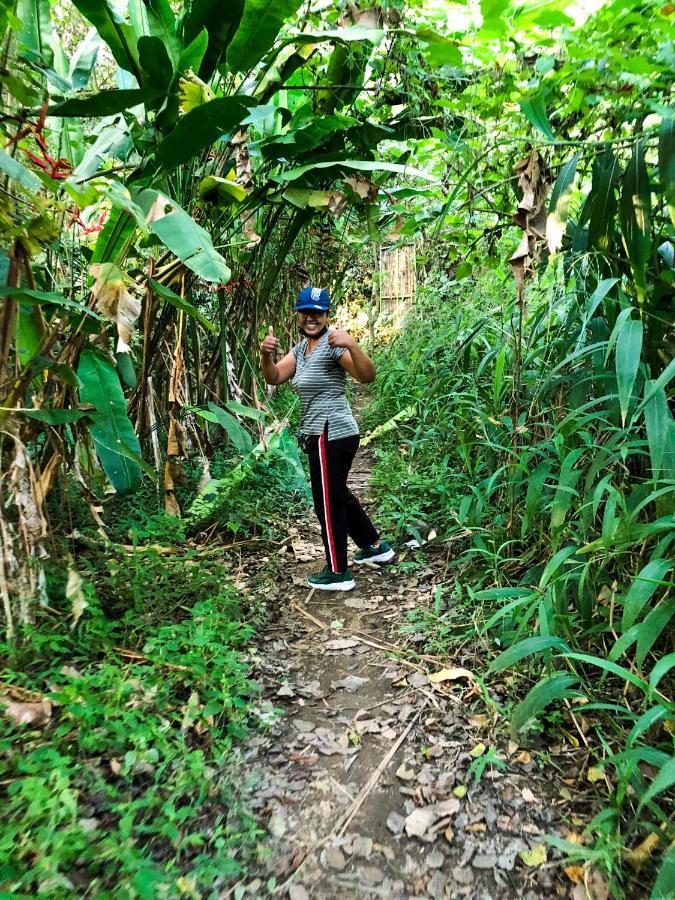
[[270, 343], [338, 337]]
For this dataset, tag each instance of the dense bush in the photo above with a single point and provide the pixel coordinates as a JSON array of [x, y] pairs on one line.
[[130, 781], [567, 512]]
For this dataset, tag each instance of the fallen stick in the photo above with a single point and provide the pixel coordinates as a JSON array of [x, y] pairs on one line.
[[308, 615], [138, 657], [341, 827]]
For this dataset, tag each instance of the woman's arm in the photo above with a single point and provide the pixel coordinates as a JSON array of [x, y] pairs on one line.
[[275, 373], [354, 360]]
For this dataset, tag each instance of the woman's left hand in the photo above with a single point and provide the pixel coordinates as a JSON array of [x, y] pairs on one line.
[[341, 338]]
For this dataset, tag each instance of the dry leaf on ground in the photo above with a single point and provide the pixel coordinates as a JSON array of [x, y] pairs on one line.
[[35, 714], [341, 644], [449, 675], [418, 823]]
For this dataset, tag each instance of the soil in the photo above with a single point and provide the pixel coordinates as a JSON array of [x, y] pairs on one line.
[[374, 780]]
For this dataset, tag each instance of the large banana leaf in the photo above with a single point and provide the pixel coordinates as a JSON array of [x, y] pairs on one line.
[[189, 241], [103, 103], [202, 127], [156, 64], [118, 34], [46, 298], [113, 141], [192, 56], [221, 21], [162, 25], [35, 32], [339, 35], [260, 24], [635, 217], [115, 237], [114, 437], [362, 165], [18, 172], [84, 59]]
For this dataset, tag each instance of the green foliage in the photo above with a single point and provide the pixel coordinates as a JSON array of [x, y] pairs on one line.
[[550, 482], [132, 781], [539, 437], [116, 443], [242, 498]]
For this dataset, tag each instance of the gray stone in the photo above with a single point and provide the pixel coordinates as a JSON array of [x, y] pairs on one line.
[[395, 822], [277, 825], [297, 892], [436, 886], [362, 846], [371, 875], [335, 858], [463, 875], [484, 861], [303, 725], [435, 859]]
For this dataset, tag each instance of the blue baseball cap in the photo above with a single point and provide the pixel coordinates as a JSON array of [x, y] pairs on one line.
[[313, 298]]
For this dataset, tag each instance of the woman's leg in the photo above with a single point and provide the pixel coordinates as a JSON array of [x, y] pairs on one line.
[[359, 527], [329, 464]]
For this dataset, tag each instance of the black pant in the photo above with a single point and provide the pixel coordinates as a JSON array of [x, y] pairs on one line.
[[337, 509]]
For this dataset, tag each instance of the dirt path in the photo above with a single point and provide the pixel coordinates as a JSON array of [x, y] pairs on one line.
[[367, 782]]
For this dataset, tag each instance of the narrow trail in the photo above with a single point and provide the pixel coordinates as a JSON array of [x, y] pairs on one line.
[[366, 781]]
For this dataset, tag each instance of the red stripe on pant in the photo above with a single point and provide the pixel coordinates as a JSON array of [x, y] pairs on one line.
[[326, 502]]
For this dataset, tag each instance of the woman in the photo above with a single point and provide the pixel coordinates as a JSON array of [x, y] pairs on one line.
[[328, 433]]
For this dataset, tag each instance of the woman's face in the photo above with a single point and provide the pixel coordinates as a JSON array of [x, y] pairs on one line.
[[312, 321]]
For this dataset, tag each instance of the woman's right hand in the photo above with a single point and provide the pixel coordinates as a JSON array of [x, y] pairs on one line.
[[270, 344]]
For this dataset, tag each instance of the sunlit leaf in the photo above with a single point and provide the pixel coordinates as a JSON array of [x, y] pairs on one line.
[[559, 205], [534, 109]]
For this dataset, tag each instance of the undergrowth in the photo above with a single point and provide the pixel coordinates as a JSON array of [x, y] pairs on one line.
[[552, 475], [124, 782]]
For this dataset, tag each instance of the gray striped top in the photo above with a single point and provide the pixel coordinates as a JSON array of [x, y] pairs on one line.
[[320, 382]]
